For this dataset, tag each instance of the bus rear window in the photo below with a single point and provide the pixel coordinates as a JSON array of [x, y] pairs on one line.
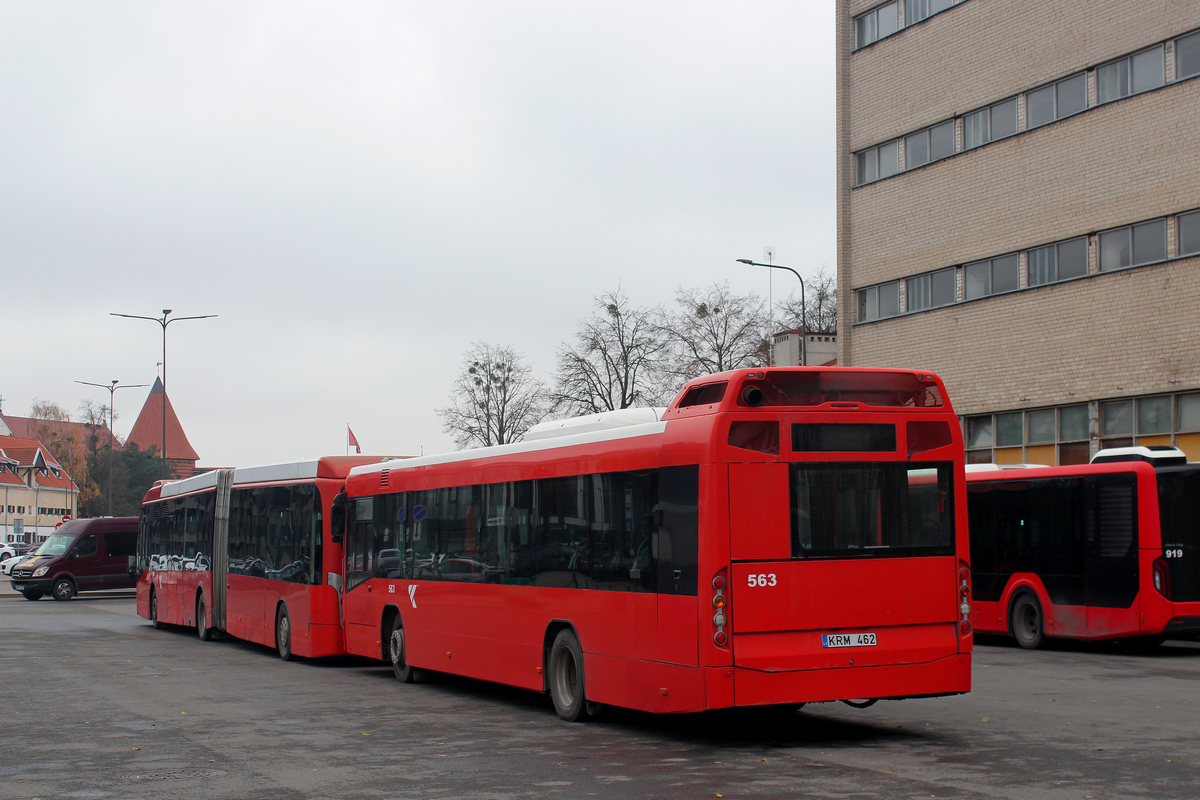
[[890, 389], [703, 395], [879, 509]]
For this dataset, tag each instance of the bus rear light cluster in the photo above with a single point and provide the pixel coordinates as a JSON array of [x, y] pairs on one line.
[[964, 592], [720, 620], [1162, 577]]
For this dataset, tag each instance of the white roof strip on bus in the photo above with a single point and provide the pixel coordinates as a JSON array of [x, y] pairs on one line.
[[291, 471], [195, 483], [262, 473], [610, 435]]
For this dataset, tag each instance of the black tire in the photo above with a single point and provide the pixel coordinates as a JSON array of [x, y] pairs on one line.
[[1026, 621], [63, 589], [396, 653], [154, 609], [32, 594], [567, 687], [283, 634], [202, 629]]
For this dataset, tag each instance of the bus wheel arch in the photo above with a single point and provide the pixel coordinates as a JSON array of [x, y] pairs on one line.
[[564, 673], [1027, 619], [283, 631]]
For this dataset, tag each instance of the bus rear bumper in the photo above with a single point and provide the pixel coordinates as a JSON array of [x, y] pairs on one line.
[[1181, 627], [945, 676]]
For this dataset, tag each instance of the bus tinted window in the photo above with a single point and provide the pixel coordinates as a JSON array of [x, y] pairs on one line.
[[1077, 534], [275, 533], [879, 509], [1178, 494], [891, 389], [618, 531]]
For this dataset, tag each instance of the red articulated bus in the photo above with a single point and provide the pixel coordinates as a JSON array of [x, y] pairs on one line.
[[774, 536], [249, 552], [1098, 551]]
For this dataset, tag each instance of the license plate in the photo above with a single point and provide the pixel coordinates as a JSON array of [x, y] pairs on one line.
[[848, 640]]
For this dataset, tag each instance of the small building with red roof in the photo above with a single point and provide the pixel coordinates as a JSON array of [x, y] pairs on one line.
[[36, 493], [147, 432]]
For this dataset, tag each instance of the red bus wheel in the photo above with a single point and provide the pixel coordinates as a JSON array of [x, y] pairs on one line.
[[566, 677], [1026, 622], [202, 629], [404, 673], [283, 634], [154, 609]]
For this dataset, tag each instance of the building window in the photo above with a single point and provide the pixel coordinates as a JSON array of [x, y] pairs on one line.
[[1187, 56], [1058, 100], [917, 10], [993, 276], [928, 145], [1010, 429], [990, 124], [1136, 73], [1041, 426], [1189, 413], [1116, 423], [931, 290], [1073, 439], [1153, 415], [1189, 233], [1134, 245], [877, 302], [1058, 262], [878, 162], [876, 24]]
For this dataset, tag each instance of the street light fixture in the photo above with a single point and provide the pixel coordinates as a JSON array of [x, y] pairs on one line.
[[112, 388], [164, 322], [803, 321]]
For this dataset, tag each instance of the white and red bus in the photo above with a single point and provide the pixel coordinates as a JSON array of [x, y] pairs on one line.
[[774, 536], [249, 552], [1100, 551]]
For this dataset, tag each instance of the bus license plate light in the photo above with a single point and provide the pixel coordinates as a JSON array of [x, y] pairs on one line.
[[848, 640]]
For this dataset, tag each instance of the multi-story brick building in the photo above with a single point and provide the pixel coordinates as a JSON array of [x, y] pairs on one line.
[[1019, 211]]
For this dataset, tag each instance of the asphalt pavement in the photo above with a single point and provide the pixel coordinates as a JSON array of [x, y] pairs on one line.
[[99, 704]]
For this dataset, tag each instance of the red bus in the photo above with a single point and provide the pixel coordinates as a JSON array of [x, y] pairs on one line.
[[776, 536], [249, 552], [1099, 551]]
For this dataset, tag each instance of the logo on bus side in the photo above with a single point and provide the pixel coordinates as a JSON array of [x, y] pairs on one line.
[[412, 594]]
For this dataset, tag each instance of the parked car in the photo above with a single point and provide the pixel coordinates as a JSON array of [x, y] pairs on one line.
[[6, 566], [10, 549], [83, 554]]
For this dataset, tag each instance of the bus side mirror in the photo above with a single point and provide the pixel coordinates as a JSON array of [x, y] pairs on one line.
[[337, 520]]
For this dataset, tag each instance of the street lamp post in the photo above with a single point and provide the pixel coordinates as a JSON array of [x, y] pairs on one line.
[[803, 321], [112, 389], [164, 322]]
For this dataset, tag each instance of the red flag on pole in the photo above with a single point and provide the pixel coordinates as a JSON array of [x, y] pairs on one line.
[[353, 442]]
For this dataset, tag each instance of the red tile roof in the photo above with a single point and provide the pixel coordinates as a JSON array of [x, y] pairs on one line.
[[30, 428], [147, 430], [26, 453]]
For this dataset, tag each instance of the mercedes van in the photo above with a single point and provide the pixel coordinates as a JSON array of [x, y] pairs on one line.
[[82, 555]]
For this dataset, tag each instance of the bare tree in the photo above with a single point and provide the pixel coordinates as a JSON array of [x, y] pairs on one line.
[[715, 330], [820, 308], [62, 440], [616, 359], [495, 399]]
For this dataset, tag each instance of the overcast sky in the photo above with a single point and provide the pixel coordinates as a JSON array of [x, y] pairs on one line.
[[362, 190]]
